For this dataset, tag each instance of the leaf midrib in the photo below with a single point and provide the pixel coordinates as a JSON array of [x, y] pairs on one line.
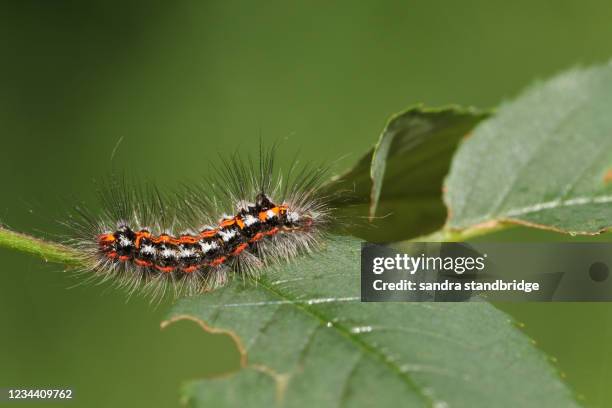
[[343, 331], [516, 213]]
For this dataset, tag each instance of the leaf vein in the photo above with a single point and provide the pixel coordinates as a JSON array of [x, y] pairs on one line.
[[362, 344]]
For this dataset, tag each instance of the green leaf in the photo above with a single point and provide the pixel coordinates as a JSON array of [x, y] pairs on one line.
[[544, 160], [410, 160], [307, 341]]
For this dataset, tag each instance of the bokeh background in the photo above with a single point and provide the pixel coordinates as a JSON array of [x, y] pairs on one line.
[[180, 83]]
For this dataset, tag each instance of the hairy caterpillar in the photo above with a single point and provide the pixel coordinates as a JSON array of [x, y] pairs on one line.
[[245, 217]]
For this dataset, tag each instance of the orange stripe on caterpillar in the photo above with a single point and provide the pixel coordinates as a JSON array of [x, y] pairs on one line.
[[106, 238], [166, 269], [272, 231], [227, 223], [256, 237], [167, 239], [187, 239], [141, 262], [162, 239], [239, 249], [240, 222], [218, 261], [140, 235], [208, 233]]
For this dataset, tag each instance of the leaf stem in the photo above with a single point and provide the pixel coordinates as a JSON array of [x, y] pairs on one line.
[[448, 235], [49, 251]]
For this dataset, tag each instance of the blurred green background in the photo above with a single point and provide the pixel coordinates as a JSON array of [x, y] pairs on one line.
[[180, 82]]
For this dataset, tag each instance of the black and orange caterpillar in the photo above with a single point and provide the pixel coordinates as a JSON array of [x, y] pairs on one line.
[[152, 242], [211, 247]]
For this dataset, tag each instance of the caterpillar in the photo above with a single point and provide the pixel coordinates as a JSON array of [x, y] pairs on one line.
[[244, 217]]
